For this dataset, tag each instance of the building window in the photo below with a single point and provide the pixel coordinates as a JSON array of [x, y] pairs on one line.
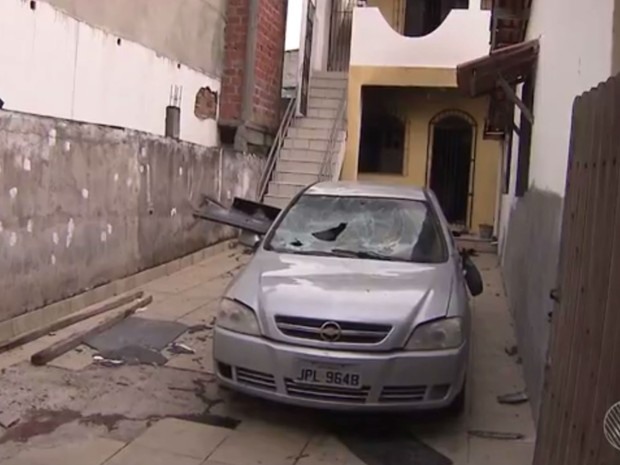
[[382, 145], [525, 140], [424, 16], [486, 4]]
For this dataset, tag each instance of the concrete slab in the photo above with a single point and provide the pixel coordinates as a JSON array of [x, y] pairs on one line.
[[76, 359], [136, 454], [183, 438], [251, 448], [93, 451]]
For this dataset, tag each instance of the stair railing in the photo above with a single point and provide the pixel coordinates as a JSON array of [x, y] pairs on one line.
[[334, 143], [276, 148]]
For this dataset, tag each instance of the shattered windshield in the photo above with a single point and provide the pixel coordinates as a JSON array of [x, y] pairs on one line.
[[360, 227]]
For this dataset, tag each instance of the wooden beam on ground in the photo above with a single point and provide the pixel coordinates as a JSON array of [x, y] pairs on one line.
[[50, 353], [67, 321]]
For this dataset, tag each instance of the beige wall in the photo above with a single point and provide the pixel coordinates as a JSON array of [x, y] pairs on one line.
[[420, 106], [187, 31]]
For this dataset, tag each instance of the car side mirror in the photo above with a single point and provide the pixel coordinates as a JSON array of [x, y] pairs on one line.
[[249, 240], [473, 278]]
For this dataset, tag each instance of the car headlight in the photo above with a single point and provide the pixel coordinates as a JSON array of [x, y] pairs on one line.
[[235, 316], [446, 333]]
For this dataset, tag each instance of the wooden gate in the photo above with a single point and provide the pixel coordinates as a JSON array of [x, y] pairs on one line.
[[583, 371]]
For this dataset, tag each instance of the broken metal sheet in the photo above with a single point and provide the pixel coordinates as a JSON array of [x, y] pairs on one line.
[[134, 355], [135, 331], [244, 214]]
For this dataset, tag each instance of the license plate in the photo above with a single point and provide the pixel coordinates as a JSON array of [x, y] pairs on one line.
[[328, 375]]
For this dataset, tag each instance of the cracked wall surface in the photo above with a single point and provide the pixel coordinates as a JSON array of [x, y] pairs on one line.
[[82, 205]]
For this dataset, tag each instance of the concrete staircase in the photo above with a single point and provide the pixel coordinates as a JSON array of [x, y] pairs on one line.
[[306, 142]]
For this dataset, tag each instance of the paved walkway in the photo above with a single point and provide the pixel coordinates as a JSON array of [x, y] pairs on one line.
[[76, 411]]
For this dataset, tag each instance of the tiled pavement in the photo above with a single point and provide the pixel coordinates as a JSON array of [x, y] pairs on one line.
[[266, 434]]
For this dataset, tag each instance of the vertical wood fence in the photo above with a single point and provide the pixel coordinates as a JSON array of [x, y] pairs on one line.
[[583, 370]]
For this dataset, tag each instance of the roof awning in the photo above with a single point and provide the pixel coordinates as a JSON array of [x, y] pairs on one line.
[[507, 65]]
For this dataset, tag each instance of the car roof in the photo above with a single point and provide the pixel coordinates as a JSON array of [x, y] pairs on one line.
[[367, 189]]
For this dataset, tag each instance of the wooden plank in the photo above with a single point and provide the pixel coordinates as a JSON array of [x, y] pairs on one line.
[[609, 375], [50, 353], [569, 286], [570, 201], [67, 321], [603, 358], [594, 283], [565, 421], [562, 321]]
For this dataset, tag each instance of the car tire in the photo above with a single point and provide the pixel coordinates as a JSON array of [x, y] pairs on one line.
[[457, 407]]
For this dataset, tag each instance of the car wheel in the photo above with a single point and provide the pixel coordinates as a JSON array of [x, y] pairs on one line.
[[457, 407]]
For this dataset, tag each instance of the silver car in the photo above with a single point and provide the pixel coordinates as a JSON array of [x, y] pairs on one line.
[[355, 298]]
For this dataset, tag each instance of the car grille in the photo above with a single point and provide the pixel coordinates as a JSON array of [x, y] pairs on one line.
[[256, 379], [333, 394], [352, 333], [402, 394]]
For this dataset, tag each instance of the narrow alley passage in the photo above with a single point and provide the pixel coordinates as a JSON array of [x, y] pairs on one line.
[[78, 410]]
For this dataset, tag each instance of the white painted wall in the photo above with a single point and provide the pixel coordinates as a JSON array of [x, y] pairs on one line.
[[320, 47], [463, 36], [575, 55], [53, 65]]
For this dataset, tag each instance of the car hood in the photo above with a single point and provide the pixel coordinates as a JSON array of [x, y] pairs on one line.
[[402, 295]]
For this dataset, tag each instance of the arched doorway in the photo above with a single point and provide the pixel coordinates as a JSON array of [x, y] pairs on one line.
[[451, 164]]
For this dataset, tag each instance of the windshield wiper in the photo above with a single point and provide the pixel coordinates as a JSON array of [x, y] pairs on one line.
[[363, 254]]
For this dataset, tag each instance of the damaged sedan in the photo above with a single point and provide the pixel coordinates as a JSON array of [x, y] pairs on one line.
[[356, 298]]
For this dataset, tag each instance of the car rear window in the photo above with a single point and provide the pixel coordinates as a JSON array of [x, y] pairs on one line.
[[381, 228]]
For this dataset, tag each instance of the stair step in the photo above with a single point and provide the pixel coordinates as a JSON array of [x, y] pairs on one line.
[[305, 144], [322, 113], [324, 103], [295, 177], [326, 93], [314, 156], [321, 83], [312, 134], [299, 166], [330, 75], [313, 123], [275, 201], [285, 189]]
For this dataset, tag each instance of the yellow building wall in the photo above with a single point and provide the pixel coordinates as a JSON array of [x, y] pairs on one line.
[[433, 93]]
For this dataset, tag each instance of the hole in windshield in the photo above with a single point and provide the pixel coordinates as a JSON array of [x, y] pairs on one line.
[[361, 227]]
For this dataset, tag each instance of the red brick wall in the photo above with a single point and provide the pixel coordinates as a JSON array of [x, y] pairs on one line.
[[269, 59], [235, 36]]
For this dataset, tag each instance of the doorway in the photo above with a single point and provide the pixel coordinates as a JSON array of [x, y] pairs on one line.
[[451, 165]]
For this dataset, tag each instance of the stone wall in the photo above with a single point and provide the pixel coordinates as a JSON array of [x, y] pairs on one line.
[[82, 205]]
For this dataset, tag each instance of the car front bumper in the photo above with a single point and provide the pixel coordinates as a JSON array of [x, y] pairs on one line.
[[393, 381]]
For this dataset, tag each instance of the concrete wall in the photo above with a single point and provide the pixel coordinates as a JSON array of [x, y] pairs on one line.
[[463, 36], [576, 54], [54, 65], [186, 31], [81, 205]]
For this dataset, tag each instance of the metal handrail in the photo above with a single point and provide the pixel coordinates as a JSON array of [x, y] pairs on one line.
[[276, 148], [327, 164]]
